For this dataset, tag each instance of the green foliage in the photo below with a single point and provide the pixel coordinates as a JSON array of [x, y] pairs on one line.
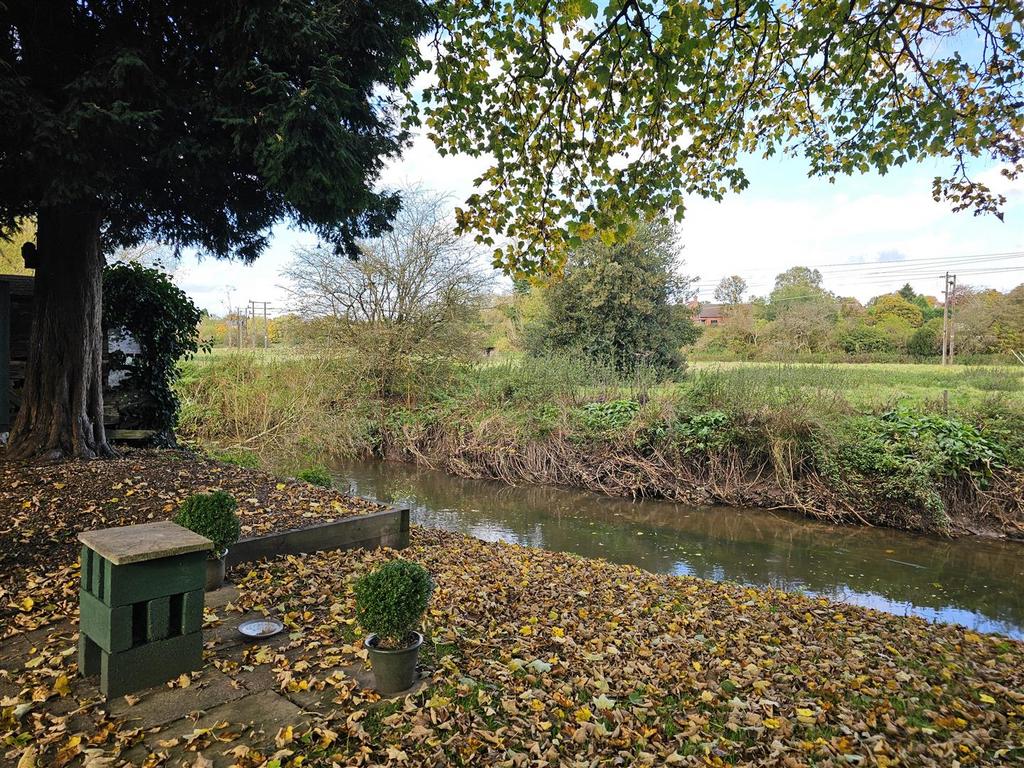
[[605, 108], [703, 432], [605, 419], [862, 464], [926, 341], [391, 599], [146, 113], [164, 322], [621, 303], [857, 337], [950, 447], [213, 515], [894, 305], [316, 475]]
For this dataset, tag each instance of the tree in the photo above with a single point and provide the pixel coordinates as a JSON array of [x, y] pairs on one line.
[[730, 290], [595, 112], [894, 305], [623, 303], [856, 337], [417, 289], [798, 277], [11, 260], [195, 124], [926, 341], [1009, 321]]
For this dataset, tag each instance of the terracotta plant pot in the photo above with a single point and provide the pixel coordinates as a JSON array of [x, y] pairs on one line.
[[215, 572], [394, 669]]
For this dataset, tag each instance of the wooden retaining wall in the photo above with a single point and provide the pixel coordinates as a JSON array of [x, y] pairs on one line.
[[389, 528]]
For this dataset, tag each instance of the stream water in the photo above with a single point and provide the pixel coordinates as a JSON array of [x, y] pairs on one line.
[[975, 582]]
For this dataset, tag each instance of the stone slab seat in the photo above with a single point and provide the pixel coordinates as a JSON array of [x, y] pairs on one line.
[[141, 604]]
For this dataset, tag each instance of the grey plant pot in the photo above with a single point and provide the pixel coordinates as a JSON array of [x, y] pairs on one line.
[[394, 670], [215, 572]]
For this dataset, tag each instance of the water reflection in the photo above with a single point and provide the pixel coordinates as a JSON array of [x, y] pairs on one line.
[[972, 582]]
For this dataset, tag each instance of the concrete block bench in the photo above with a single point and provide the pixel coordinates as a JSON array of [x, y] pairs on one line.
[[141, 605]]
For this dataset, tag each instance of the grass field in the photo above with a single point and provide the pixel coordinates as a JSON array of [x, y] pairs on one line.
[[864, 385], [881, 384]]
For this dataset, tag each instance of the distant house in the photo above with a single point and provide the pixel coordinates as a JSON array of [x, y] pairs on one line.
[[711, 314]]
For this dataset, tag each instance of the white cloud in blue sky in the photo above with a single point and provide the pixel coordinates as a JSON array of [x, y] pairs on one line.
[[782, 220]]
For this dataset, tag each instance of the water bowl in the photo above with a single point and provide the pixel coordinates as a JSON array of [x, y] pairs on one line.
[[257, 629]]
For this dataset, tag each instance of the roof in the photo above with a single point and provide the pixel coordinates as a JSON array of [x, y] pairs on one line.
[[710, 311]]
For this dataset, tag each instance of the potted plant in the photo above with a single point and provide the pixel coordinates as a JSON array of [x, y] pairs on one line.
[[389, 604], [213, 515]]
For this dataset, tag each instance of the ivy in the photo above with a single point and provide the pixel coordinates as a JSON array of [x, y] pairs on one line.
[[164, 322]]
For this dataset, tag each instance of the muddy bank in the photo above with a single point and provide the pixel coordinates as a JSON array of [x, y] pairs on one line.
[[732, 477]]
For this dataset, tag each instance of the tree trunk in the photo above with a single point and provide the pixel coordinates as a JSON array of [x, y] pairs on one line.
[[61, 413]]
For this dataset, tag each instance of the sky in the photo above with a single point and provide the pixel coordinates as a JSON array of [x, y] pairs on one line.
[[872, 233]]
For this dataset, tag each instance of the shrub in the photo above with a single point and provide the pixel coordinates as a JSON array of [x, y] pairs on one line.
[[213, 515], [605, 419], [703, 432], [391, 599], [317, 475], [164, 322]]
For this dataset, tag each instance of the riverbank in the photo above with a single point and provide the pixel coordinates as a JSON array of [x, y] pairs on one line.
[[829, 442], [531, 655]]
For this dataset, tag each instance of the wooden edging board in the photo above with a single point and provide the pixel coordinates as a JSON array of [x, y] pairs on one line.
[[389, 528]]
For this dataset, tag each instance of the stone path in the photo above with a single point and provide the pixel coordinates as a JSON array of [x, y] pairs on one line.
[[229, 710]]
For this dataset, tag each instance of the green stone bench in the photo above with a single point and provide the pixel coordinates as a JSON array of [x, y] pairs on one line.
[[141, 605]]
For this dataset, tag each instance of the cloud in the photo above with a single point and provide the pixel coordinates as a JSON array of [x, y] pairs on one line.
[[888, 256]]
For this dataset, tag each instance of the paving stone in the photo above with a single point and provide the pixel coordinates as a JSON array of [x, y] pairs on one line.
[[161, 705], [253, 720], [139, 543], [218, 598], [18, 649]]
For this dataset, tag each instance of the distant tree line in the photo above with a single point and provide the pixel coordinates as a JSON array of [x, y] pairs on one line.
[[801, 317]]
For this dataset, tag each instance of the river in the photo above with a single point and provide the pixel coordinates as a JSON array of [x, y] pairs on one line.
[[972, 581]]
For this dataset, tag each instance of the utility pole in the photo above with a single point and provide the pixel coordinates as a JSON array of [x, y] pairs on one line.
[[251, 309], [945, 317], [952, 320]]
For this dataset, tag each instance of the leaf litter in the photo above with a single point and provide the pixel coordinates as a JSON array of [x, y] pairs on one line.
[[535, 658]]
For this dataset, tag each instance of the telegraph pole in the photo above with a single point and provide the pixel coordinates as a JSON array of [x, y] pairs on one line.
[[952, 320], [948, 325], [251, 309], [945, 318]]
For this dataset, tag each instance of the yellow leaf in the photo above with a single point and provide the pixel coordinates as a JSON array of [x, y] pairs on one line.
[[281, 486], [986, 698], [437, 702], [184, 681], [62, 686], [28, 758], [27, 603], [582, 715], [697, 666], [284, 736]]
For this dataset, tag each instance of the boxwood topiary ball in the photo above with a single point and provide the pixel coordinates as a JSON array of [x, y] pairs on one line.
[[391, 599], [213, 515]]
